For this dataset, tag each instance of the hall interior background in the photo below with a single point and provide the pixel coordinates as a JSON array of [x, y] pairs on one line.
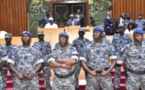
[[19, 15]]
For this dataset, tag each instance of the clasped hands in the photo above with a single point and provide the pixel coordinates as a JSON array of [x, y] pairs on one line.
[[30, 76], [99, 72]]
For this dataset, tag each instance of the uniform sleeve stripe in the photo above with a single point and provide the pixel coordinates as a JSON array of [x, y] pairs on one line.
[[40, 61], [83, 59], [11, 61], [74, 53], [51, 59], [113, 57], [75, 57]]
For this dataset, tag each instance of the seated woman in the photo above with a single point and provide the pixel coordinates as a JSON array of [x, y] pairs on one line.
[[130, 28]]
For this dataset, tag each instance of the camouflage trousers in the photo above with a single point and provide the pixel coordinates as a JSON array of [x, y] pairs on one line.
[[26, 84], [93, 83], [117, 77], [135, 81], [67, 83], [1, 82], [77, 72], [3, 79], [47, 74]]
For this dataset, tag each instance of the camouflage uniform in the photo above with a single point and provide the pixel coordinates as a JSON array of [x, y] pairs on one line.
[[45, 49], [119, 42], [5, 69], [97, 57], [79, 45], [25, 61], [60, 82], [140, 23], [126, 22], [134, 55], [105, 38], [2, 54]]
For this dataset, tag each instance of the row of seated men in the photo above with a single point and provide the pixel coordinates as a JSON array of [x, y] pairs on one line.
[[126, 19], [25, 61], [74, 20]]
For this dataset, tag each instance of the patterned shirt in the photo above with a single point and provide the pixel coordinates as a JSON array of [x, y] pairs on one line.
[[69, 52], [44, 48], [97, 55], [134, 55], [24, 59], [3, 52], [120, 41], [79, 44]]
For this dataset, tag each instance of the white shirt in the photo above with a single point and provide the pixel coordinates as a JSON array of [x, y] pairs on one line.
[[121, 20], [48, 25], [2, 34], [129, 32], [72, 22]]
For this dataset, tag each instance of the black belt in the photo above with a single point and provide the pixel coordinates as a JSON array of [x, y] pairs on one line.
[[117, 65], [136, 72], [65, 76]]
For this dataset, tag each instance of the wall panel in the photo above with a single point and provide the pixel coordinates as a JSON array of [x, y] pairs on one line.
[[13, 16], [131, 6]]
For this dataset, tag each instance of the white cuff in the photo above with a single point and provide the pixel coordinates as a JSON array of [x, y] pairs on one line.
[[74, 57], [113, 57], [11, 61], [4, 58], [51, 59], [40, 61], [83, 59], [119, 62], [74, 53]]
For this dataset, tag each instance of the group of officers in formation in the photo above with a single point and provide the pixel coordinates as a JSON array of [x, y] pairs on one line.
[[26, 61]]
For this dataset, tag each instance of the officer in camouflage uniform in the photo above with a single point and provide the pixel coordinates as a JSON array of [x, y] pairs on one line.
[[139, 22], [25, 62], [79, 44], [119, 41], [45, 49], [8, 47], [128, 20], [63, 61], [2, 64], [134, 56], [96, 62]]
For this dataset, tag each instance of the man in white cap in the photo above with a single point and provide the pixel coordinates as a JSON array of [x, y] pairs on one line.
[[72, 21], [51, 23]]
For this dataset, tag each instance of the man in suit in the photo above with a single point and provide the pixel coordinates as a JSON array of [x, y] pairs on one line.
[[120, 20], [80, 17], [108, 22], [72, 21]]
